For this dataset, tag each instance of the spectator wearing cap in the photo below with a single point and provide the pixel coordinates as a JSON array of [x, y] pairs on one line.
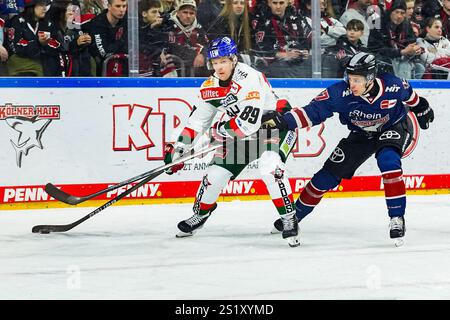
[[30, 40], [186, 37], [395, 43], [109, 36]]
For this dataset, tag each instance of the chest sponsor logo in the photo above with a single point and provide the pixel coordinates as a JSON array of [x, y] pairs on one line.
[[393, 88], [213, 93]]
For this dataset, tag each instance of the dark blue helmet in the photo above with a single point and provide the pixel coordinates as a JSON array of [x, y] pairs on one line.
[[222, 47]]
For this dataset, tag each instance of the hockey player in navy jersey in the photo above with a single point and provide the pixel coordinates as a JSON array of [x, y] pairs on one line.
[[374, 108]]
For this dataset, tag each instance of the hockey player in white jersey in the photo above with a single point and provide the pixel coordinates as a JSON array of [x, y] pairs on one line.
[[239, 95]]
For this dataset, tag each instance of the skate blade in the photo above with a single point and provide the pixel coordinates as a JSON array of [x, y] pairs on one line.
[[274, 231], [293, 242], [398, 242], [182, 234]]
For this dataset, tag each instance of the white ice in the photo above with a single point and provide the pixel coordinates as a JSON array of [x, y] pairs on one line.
[[130, 252]]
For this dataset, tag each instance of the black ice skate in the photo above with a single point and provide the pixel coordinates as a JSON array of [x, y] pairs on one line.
[[189, 226], [397, 230], [277, 226], [290, 229]]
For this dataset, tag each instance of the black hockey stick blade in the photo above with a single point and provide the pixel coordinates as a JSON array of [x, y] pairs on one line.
[[62, 196], [44, 229]]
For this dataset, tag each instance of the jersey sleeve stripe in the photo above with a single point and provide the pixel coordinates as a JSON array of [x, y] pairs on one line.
[[301, 118], [413, 100]]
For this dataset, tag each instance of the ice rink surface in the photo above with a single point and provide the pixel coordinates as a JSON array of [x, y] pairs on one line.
[[130, 252]]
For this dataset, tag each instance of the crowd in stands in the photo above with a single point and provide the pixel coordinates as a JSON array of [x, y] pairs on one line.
[[67, 38]]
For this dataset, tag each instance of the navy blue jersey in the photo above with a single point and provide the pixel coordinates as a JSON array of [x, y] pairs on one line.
[[365, 113]]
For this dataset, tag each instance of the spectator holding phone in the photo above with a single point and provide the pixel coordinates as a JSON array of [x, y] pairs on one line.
[[29, 40]]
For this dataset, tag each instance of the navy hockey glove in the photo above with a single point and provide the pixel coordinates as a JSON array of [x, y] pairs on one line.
[[424, 113], [273, 120], [172, 153]]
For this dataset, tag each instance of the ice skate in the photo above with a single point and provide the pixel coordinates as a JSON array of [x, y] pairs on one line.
[[290, 229], [189, 226], [397, 230], [277, 227]]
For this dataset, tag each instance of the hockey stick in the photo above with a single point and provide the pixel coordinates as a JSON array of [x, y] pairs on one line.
[[65, 197], [156, 172]]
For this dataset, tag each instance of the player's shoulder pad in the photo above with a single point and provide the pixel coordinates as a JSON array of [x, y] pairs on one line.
[[390, 80], [339, 89], [208, 83], [243, 72]]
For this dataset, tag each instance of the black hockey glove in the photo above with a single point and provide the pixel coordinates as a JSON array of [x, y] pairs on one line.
[[424, 113], [273, 120]]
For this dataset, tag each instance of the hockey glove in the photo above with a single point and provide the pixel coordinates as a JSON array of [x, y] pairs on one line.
[[172, 153], [424, 113], [273, 120]]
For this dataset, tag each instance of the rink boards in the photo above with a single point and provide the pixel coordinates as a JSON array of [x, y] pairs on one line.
[[86, 134]]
